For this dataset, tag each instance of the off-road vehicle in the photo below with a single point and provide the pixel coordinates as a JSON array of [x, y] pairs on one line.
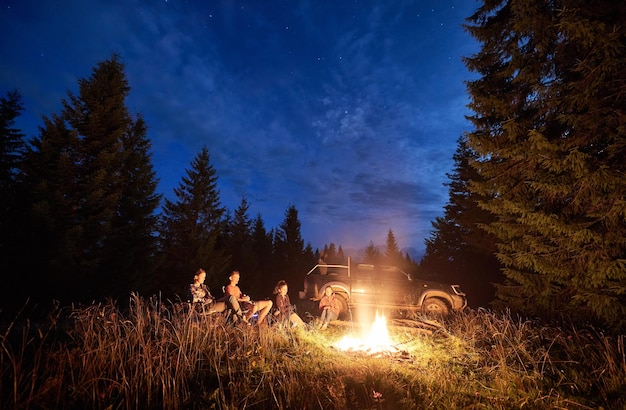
[[385, 288]]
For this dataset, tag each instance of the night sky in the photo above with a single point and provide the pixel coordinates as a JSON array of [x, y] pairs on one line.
[[348, 110]]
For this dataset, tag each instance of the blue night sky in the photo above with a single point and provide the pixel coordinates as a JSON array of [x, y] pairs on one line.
[[349, 110]]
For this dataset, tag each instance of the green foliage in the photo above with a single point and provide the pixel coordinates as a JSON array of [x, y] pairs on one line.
[[52, 224], [91, 193], [458, 250], [11, 149], [372, 254], [11, 140], [550, 142], [392, 253], [262, 245], [132, 250], [291, 258], [193, 227], [241, 250], [331, 254], [341, 258], [79, 210]]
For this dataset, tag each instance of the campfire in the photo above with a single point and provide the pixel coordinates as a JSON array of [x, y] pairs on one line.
[[374, 342]]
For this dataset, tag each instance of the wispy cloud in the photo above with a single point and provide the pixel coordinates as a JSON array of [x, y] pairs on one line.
[[351, 112]]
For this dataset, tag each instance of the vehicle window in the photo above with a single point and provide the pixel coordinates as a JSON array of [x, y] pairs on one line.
[[363, 274], [396, 275]]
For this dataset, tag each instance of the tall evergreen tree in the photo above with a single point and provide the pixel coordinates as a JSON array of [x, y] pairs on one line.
[[550, 137], [53, 221], [392, 254], [191, 228], [132, 261], [240, 249], [86, 187], [308, 260], [341, 257], [290, 248], [11, 142], [410, 266], [372, 255], [12, 146], [263, 247], [330, 251], [458, 250]]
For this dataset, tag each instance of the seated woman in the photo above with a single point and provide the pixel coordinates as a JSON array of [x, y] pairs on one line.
[[244, 302], [329, 306], [285, 311], [200, 295]]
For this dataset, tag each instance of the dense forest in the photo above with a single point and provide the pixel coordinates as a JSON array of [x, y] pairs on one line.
[[82, 220], [536, 218], [537, 197]]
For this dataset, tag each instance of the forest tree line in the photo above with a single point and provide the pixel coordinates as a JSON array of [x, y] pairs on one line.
[[82, 220], [536, 217]]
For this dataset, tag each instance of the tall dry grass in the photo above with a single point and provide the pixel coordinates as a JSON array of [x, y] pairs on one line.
[[155, 356]]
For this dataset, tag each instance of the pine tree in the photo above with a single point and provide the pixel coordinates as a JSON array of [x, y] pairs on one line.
[[309, 259], [330, 251], [87, 174], [53, 221], [262, 245], [289, 247], [240, 249], [410, 266], [12, 147], [191, 228], [392, 254], [458, 250], [11, 142], [99, 118], [372, 255], [550, 138], [341, 257], [132, 262]]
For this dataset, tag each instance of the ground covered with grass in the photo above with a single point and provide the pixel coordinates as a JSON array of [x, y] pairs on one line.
[[156, 356]]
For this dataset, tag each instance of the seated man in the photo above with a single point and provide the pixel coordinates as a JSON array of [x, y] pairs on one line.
[[244, 302], [200, 296]]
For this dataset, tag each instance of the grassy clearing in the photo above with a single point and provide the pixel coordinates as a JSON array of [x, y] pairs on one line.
[[149, 357]]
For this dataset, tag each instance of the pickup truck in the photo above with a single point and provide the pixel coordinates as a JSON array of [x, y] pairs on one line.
[[382, 287]]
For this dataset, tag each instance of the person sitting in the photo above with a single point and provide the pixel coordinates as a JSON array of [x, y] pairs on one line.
[[244, 302], [285, 311], [200, 296], [329, 306]]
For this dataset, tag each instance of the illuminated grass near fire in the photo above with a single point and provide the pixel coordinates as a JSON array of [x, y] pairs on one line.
[[167, 358]]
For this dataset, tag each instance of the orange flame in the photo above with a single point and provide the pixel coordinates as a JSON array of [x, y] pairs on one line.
[[377, 340]]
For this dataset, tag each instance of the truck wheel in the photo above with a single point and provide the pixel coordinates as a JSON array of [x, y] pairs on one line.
[[435, 307], [343, 301]]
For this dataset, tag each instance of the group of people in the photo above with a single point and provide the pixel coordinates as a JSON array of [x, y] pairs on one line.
[[234, 299], [242, 308]]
